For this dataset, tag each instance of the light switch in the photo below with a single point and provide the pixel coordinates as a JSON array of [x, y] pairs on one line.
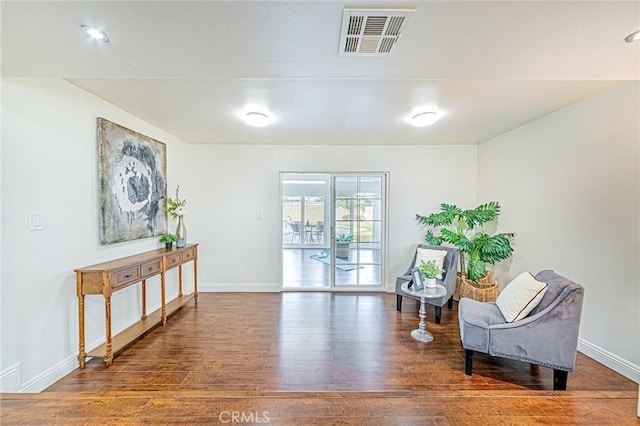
[[36, 222]]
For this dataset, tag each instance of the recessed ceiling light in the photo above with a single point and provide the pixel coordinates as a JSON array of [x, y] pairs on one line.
[[633, 37], [424, 119], [257, 119], [95, 33]]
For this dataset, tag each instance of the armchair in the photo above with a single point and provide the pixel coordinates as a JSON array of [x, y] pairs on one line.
[[450, 266], [548, 336]]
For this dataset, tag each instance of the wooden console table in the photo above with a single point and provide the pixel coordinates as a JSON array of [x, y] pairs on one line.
[[109, 277]]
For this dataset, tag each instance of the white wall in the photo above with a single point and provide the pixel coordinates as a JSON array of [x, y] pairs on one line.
[[569, 187], [49, 165], [234, 182]]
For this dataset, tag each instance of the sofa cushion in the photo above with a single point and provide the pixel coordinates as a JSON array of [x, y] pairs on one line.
[[428, 254], [520, 297]]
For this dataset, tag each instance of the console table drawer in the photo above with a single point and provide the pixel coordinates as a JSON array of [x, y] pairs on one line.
[[151, 268], [188, 255], [174, 260], [126, 276]]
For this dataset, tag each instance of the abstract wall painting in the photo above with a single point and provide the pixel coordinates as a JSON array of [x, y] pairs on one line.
[[132, 174]]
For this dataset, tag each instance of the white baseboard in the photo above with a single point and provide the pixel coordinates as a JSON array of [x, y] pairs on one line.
[[66, 366], [239, 287], [614, 362], [50, 376], [10, 379]]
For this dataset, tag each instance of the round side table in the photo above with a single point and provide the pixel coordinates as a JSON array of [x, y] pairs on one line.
[[421, 334]]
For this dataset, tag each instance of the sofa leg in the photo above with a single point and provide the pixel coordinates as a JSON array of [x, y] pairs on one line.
[[438, 314], [560, 379], [468, 361], [398, 303], [450, 303]]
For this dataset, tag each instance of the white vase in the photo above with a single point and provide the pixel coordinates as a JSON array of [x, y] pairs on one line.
[[181, 232], [430, 282]]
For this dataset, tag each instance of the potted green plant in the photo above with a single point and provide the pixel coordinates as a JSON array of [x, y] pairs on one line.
[[463, 229], [168, 240], [343, 243], [430, 270]]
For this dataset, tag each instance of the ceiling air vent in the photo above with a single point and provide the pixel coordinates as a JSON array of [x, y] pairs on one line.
[[371, 32]]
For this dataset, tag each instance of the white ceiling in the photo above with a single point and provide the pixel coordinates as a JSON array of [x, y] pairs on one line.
[[191, 67]]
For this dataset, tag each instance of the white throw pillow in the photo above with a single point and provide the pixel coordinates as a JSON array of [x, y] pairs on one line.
[[428, 254], [520, 297]]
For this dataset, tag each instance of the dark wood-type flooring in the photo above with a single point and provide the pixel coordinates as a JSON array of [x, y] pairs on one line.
[[317, 359]]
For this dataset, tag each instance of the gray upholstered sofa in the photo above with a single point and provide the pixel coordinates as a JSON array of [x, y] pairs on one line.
[[548, 336], [450, 266]]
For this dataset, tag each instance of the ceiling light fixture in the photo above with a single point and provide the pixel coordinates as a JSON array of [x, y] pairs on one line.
[[633, 37], [424, 119], [95, 34], [257, 119]]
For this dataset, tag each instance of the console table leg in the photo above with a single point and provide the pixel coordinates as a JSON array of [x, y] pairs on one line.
[[162, 301], [108, 356], [180, 280], [81, 350], [195, 279], [144, 299]]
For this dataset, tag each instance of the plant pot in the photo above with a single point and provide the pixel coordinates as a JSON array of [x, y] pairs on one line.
[[430, 282], [342, 250], [168, 246], [484, 290]]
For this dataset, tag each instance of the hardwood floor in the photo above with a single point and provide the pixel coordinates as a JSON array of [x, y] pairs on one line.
[[316, 359]]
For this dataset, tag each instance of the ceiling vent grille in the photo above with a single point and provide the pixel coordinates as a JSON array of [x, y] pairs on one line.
[[371, 32]]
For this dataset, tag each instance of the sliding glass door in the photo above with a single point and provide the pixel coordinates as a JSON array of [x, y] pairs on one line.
[[305, 242], [358, 224], [333, 228]]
